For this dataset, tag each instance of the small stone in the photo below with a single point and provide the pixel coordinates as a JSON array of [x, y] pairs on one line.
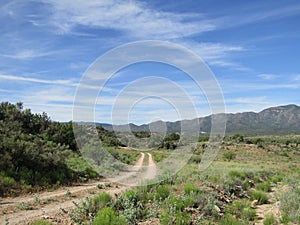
[[217, 208], [46, 217], [254, 203]]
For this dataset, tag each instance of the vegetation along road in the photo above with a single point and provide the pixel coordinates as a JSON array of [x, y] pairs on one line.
[[51, 204]]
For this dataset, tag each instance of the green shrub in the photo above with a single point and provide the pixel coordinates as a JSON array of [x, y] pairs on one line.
[[24, 206], [175, 217], [162, 192], [107, 216], [260, 196], [229, 155], [237, 207], [174, 202], [229, 220], [236, 173], [6, 183], [277, 178], [189, 188], [248, 214], [241, 210], [265, 186], [195, 159], [270, 220], [88, 209], [41, 222], [102, 200], [131, 205], [235, 186], [285, 219], [205, 201]]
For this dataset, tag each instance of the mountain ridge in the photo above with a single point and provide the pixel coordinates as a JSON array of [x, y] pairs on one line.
[[274, 120]]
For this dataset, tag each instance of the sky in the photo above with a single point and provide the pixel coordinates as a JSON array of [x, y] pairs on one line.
[[251, 47]]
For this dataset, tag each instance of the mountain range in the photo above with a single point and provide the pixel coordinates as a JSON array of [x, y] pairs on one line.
[[272, 121]]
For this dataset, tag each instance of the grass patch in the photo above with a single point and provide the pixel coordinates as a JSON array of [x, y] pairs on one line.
[[229, 155], [264, 186], [107, 216], [260, 196], [229, 220], [189, 188], [270, 220], [241, 210], [175, 217]]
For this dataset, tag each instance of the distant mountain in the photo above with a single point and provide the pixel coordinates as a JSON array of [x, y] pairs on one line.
[[275, 120]]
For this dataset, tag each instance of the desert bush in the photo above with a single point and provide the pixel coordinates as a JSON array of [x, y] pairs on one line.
[[87, 210], [162, 192], [101, 200], [131, 206], [195, 159], [175, 217], [158, 157], [6, 183], [236, 207], [228, 219], [189, 188], [236, 173], [235, 186], [285, 219], [229, 155], [154, 208], [270, 220], [260, 196], [248, 214], [107, 216], [277, 178], [241, 210], [174, 202], [264, 186], [205, 201]]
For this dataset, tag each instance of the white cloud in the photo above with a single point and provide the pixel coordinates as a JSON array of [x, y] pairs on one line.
[[26, 54], [135, 19], [216, 54], [266, 76], [249, 100], [256, 13], [37, 80]]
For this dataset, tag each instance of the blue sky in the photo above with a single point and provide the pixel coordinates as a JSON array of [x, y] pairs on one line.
[[253, 48]]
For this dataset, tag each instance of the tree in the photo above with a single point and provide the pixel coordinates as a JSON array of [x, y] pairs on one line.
[[170, 141]]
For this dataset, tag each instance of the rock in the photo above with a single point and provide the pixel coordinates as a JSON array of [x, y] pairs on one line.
[[217, 208], [254, 203]]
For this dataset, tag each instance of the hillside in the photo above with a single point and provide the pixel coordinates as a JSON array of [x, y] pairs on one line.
[[275, 120]]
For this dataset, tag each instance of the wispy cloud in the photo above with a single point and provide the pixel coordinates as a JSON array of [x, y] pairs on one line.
[[29, 54], [133, 18], [249, 100], [266, 76], [256, 13], [37, 80]]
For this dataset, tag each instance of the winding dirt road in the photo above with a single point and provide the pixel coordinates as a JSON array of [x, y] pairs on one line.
[[25, 209]]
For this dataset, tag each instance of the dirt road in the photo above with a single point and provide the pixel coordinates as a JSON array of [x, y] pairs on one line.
[[151, 170], [24, 209]]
